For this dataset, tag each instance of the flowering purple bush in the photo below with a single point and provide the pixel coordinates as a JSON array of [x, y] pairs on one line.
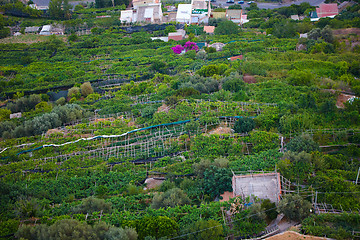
[[177, 49], [190, 46]]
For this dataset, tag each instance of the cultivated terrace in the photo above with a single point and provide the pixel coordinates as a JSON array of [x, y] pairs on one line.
[[109, 133]]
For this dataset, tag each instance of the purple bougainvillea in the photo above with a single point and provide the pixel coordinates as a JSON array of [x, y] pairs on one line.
[[177, 49], [190, 46]]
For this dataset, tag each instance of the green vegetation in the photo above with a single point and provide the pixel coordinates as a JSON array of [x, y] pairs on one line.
[[121, 138]]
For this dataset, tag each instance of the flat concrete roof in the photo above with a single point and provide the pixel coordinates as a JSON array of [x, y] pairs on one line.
[[264, 186]]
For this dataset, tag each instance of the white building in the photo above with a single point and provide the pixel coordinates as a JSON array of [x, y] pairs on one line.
[[183, 14], [197, 12], [126, 16], [46, 30], [147, 11]]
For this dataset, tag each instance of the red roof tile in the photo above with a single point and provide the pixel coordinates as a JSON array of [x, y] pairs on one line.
[[327, 10]]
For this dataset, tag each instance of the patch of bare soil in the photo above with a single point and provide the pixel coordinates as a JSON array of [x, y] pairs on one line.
[[248, 78], [52, 131], [221, 130], [341, 99], [290, 235], [163, 108], [153, 182], [104, 119], [347, 31]]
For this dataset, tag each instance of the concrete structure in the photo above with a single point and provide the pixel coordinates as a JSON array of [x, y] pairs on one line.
[[46, 30], [178, 35], [324, 10], [126, 16], [236, 16], [218, 15], [295, 17], [169, 17], [195, 13], [15, 115], [164, 39], [184, 13], [137, 3], [209, 29], [218, 46], [32, 29], [264, 186], [147, 11]]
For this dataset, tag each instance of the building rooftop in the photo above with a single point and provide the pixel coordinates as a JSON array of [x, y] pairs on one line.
[[264, 186]]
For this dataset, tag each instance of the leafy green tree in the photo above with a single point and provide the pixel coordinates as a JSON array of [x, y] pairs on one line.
[[235, 6], [264, 140], [226, 28], [4, 31], [270, 209], [206, 229], [302, 143], [74, 92], [284, 29], [244, 125], [233, 83], [27, 208], [115, 233], [300, 78], [216, 181], [9, 227], [294, 207], [4, 114], [171, 198], [169, 29], [86, 89], [160, 226], [92, 204], [59, 9]]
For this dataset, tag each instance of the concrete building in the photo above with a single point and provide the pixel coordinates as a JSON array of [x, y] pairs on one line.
[[295, 17], [218, 15], [147, 11], [183, 14], [327, 10], [264, 186], [178, 35], [209, 29], [324, 10], [126, 16], [218, 46], [236, 16], [32, 29], [46, 30], [195, 13]]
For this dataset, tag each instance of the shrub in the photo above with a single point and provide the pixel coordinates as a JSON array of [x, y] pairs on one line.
[[171, 198], [244, 125], [86, 89]]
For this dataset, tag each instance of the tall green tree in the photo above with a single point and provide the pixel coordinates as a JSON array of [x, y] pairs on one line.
[[227, 28], [60, 9]]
